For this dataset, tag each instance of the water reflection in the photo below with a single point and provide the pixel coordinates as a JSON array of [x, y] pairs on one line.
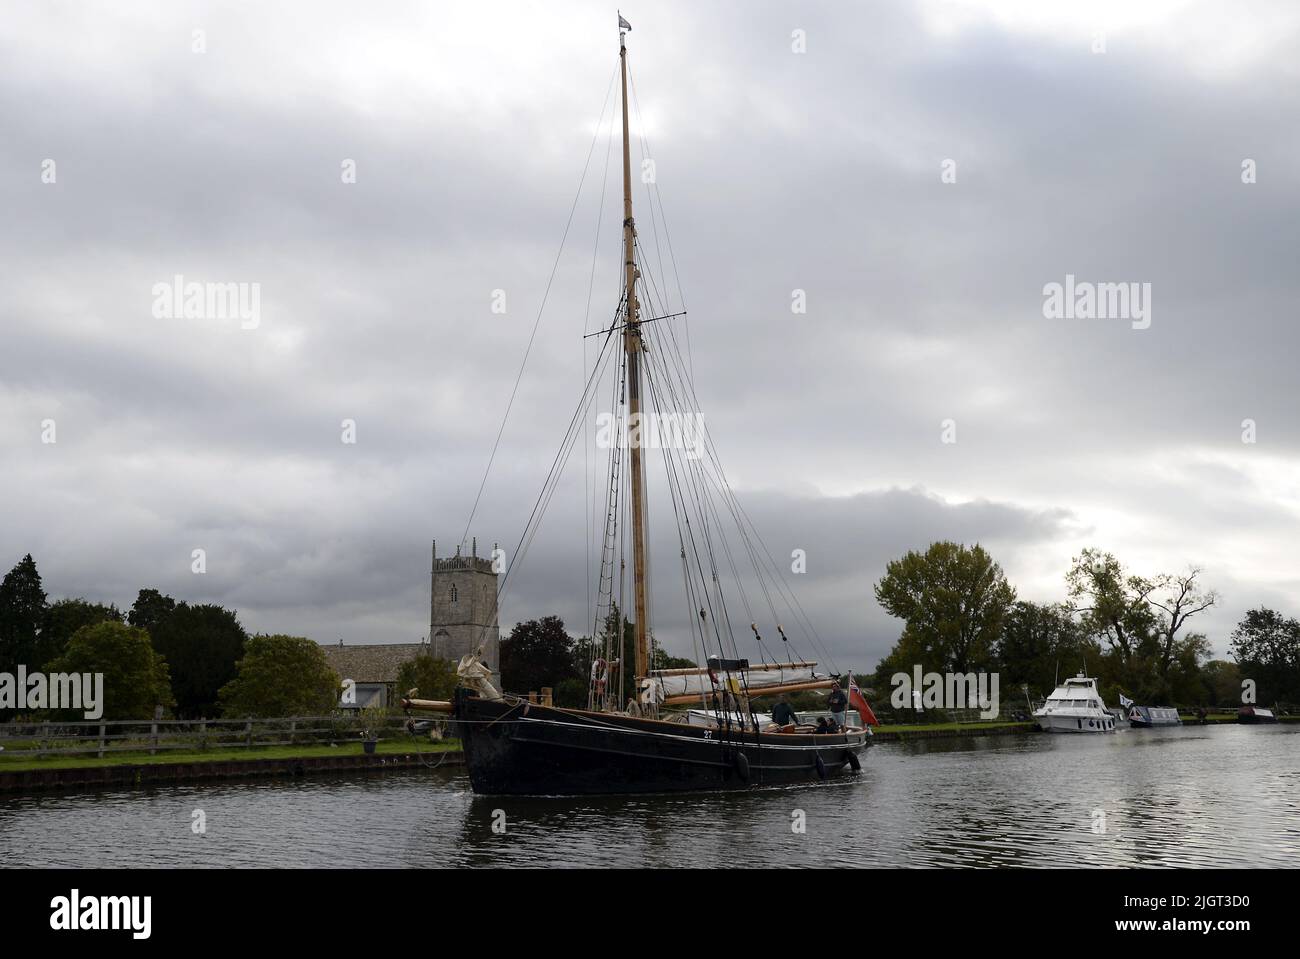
[[1193, 796]]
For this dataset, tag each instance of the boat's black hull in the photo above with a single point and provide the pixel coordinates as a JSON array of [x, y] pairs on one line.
[[523, 749]]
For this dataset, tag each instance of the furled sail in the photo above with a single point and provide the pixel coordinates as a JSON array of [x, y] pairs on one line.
[[700, 681]]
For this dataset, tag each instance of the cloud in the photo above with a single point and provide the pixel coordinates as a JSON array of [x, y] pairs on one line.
[[778, 172]]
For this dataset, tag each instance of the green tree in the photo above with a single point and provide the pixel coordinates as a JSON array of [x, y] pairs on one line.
[[1266, 646], [614, 649], [1037, 642], [150, 608], [22, 612], [1141, 621], [65, 616], [537, 653], [659, 659], [1177, 599], [281, 676], [1182, 682], [429, 676], [202, 644], [1116, 605], [952, 600], [616, 644], [1221, 680], [571, 693], [136, 681], [573, 690]]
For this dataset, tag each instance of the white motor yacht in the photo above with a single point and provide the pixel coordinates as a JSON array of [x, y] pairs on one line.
[[1075, 706]]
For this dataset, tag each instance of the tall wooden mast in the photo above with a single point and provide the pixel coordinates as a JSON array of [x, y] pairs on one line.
[[632, 348]]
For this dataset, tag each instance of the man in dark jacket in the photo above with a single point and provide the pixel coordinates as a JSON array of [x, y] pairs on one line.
[[783, 714], [837, 703]]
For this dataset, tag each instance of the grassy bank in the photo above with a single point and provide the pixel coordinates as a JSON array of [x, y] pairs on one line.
[[22, 760]]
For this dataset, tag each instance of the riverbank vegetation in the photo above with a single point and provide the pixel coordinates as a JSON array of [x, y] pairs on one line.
[[960, 614], [1134, 632], [159, 658]]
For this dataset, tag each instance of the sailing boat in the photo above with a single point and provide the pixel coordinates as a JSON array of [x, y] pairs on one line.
[[518, 745]]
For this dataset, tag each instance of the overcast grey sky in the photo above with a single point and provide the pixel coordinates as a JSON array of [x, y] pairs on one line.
[[469, 124]]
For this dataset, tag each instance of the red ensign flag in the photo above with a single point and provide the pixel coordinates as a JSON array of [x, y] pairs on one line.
[[858, 702]]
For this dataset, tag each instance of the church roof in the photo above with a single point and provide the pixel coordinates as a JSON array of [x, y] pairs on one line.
[[372, 662]]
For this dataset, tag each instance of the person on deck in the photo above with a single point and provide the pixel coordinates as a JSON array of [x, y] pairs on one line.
[[783, 715], [838, 703]]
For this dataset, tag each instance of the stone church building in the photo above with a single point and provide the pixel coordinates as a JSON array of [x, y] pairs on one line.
[[462, 616], [463, 607]]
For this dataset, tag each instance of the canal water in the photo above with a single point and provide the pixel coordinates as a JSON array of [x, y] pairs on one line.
[[1194, 796]]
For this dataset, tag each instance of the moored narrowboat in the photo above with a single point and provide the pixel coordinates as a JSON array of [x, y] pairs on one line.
[[1147, 717]]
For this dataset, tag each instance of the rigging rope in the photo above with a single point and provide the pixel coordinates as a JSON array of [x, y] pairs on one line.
[[540, 310], [696, 481]]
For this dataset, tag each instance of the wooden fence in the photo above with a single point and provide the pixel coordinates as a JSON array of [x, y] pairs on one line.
[[153, 736]]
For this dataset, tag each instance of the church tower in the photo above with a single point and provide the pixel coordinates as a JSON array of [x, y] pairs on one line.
[[463, 607]]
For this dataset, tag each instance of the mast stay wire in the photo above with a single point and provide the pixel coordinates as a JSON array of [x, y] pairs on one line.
[[667, 346], [541, 309], [702, 501], [557, 466], [668, 237], [586, 320], [742, 518], [682, 516], [696, 475]]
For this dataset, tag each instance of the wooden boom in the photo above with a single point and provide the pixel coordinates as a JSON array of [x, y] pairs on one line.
[[753, 668], [754, 693], [428, 705]]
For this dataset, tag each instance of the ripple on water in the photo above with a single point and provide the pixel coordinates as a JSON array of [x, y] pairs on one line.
[[1180, 797]]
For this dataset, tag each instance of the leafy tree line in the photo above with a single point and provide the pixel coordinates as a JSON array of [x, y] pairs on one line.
[[1133, 632], [959, 614], [540, 652], [193, 660], [198, 661]]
